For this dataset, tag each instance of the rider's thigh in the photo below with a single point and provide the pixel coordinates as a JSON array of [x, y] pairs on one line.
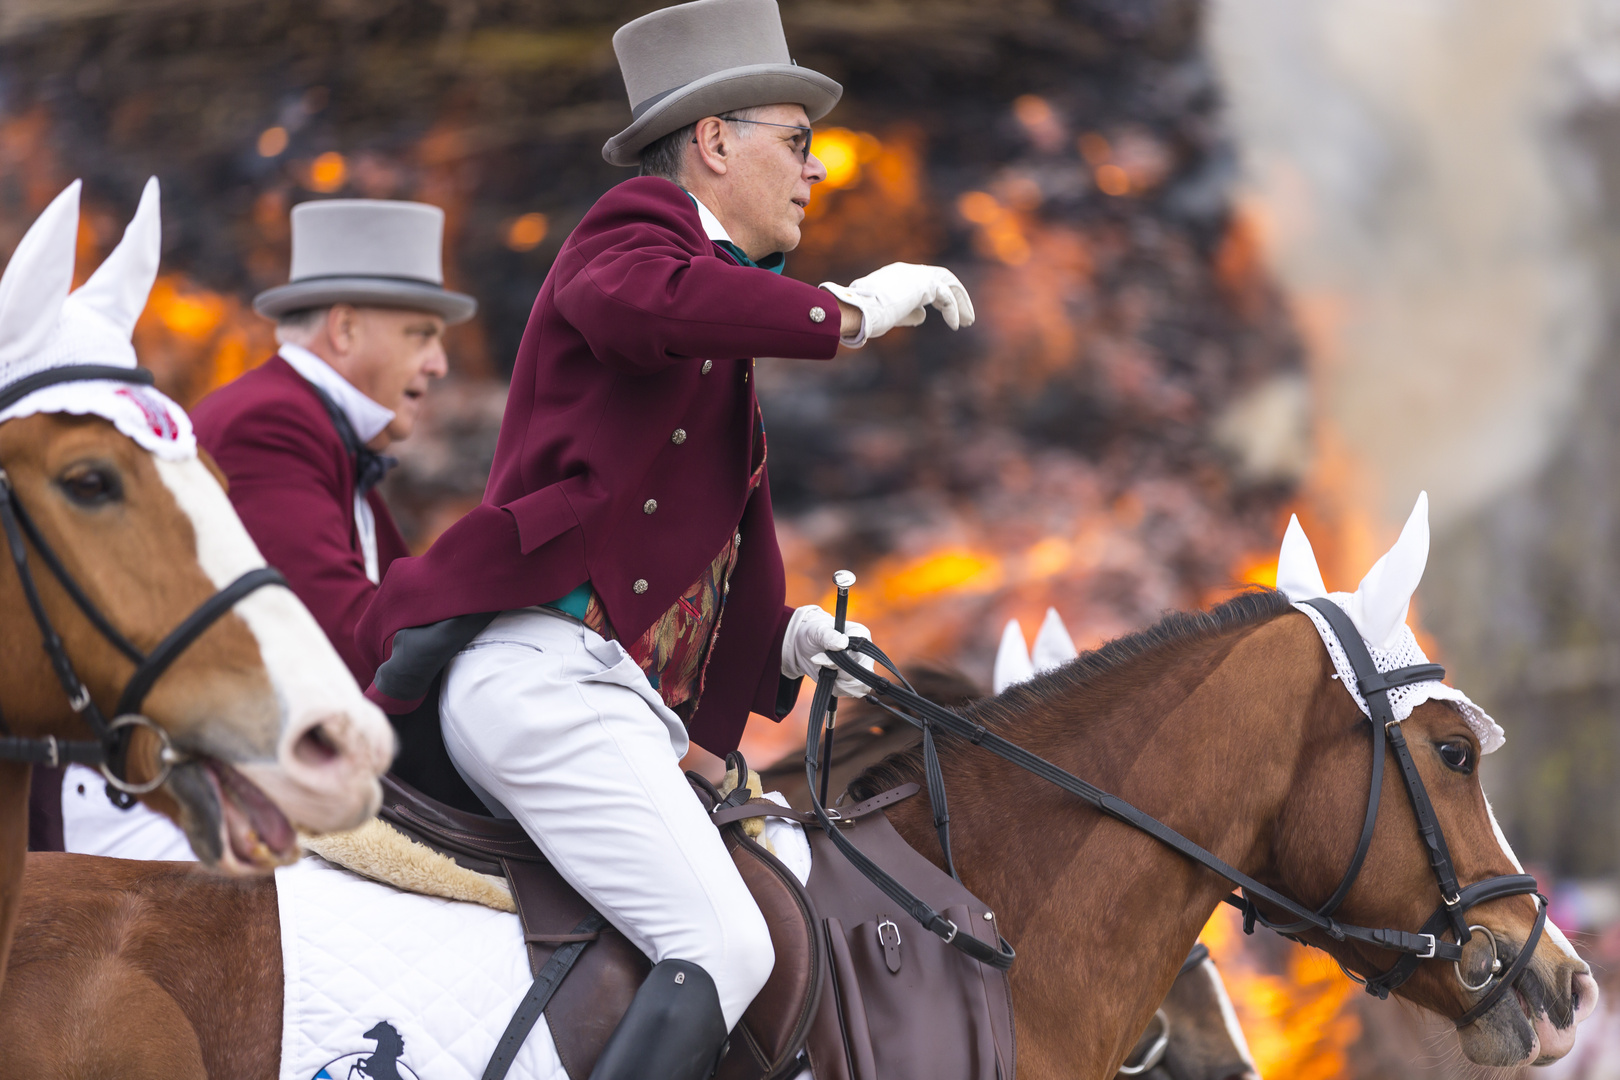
[[570, 742]]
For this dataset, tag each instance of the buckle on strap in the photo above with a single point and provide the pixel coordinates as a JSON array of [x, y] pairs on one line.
[[952, 935], [1434, 943]]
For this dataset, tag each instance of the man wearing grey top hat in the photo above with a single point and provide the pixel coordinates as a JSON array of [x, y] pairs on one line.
[[620, 590], [360, 328]]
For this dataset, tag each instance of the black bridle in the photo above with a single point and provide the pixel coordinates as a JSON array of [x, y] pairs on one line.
[[1375, 686], [110, 744]]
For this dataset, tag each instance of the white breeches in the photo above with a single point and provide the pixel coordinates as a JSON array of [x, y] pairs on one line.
[[561, 730]]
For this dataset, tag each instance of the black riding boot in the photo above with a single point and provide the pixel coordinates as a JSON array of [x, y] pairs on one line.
[[673, 1030]]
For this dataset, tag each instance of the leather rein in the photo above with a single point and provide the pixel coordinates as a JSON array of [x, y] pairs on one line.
[[110, 743], [1375, 686]]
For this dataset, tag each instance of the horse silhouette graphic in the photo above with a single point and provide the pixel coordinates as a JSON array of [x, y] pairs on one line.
[[381, 1064]]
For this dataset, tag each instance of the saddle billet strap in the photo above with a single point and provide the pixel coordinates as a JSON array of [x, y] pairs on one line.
[[534, 1003], [758, 808]]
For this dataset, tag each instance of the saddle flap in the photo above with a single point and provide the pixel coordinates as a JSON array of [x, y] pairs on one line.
[[768, 1040], [902, 1004]]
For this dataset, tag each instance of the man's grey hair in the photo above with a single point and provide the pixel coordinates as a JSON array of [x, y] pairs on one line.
[[667, 156], [296, 327]]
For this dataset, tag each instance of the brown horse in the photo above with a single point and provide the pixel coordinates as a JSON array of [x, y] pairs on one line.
[[260, 703], [1196, 1023], [119, 534], [1228, 726]]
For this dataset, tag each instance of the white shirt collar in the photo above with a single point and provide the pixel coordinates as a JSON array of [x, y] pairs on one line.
[[366, 416], [711, 224]]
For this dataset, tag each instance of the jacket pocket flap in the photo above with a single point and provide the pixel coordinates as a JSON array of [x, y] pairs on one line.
[[542, 516]]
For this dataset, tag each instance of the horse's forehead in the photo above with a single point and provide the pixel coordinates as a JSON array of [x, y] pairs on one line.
[[54, 439]]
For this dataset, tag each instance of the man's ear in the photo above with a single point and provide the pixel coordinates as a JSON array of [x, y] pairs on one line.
[[712, 150], [340, 320]]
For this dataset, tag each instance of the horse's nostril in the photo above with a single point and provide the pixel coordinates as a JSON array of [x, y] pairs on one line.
[[315, 747]]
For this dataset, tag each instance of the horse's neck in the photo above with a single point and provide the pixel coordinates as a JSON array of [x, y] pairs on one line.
[[1102, 915], [13, 849]]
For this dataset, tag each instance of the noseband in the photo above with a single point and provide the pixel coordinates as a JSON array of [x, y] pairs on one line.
[[1374, 685], [109, 747]]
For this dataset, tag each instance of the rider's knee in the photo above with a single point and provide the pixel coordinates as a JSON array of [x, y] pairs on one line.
[[749, 958]]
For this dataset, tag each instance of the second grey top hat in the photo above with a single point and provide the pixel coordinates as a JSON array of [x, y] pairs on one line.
[[374, 252], [707, 58]]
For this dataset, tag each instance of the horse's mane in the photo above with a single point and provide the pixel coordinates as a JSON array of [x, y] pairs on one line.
[[1177, 628]]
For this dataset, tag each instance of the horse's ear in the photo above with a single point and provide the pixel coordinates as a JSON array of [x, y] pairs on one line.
[[1298, 576], [1380, 603], [1053, 645], [37, 280], [119, 287], [1012, 659]]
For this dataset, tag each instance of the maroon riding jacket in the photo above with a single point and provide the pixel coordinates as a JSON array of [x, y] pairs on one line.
[[292, 483], [623, 456]]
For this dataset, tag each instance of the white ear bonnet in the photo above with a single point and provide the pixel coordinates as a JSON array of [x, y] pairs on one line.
[[1378, 609], [44, 326], [1015, 663]]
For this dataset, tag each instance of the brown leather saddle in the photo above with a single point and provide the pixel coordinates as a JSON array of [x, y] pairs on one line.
[[859, 992], [586, 1006]]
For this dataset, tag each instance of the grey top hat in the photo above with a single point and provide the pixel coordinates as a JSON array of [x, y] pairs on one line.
[[705, 58], [375, 252]]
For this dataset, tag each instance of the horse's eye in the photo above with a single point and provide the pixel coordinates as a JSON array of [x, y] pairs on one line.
[[92, 485], [1458, 756]]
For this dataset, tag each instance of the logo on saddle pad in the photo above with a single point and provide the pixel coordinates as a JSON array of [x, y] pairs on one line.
[[383, 1063]]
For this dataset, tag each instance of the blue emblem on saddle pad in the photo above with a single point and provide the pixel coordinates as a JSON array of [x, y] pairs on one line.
[[383, 1063]]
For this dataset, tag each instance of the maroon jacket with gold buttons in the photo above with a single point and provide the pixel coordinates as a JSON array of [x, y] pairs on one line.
[[623, 456]]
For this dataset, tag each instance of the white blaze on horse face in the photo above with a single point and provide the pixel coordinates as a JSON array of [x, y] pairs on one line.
[[1234, 1030], [1552, 930], [1012, 665], [319, 792]]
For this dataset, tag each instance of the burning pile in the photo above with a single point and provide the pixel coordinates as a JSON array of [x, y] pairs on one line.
[[1118, 435]]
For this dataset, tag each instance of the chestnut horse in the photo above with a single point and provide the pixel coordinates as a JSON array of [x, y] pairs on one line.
[[1195, 1034], [1229, 726], [264, 722]]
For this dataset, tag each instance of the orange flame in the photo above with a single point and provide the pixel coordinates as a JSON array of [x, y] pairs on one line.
[[195, 340], [1299, 1026]]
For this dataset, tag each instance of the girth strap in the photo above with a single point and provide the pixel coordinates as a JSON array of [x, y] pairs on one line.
[[534, 1003]]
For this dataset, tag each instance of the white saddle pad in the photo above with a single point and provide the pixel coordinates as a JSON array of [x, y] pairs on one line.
[[445, 975]]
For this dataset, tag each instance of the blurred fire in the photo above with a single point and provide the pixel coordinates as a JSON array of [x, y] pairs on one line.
[[194, 339], [1299, 1026]]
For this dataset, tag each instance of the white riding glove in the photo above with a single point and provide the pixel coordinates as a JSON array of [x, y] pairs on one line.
[[810, 637], [899, 295]]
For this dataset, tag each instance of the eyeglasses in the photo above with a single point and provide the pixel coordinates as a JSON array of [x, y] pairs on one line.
[[800, 143]]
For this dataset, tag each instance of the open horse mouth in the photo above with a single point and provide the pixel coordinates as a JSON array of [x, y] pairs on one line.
[[231, 823]]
